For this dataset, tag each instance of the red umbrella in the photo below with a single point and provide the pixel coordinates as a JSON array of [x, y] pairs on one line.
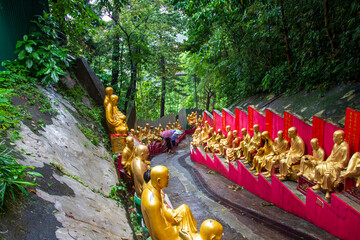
[[167, 133]]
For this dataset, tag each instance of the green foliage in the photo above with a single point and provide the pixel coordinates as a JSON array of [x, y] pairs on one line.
[[12, 177], [252, 47], [41, 53]]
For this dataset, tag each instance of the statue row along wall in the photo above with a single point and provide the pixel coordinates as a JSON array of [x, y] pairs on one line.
[[272, 123], [338, 217]]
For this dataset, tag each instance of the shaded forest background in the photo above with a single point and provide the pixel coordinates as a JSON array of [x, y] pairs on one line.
[[236, 48]]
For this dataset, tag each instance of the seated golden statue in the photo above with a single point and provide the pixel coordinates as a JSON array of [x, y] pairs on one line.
[[259, 161], [139, 166], [297, 150], [200, 120], [209, 230], [215, 146], [253, 145], [178, 126], [157, 136], [327, 174], [210, 140], [116, 120], [108, 92], [353, 169], [230, 153], [281, 147], [308, 162], [196, 137], [128, 154], [205, 132], [227, 142], [238, 151], [192, 119], [164, 223]]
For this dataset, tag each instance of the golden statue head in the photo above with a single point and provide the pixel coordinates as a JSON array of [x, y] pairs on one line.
[[114, 99], [211, 230], [129, 141], [315, 144], [219, 131], [159, 177], [228, 128], [280, 134], [265, 135], [142, 152], [339, 136], [235, 133], [109, 91], [256, 128], [292, 132], [244, 132]]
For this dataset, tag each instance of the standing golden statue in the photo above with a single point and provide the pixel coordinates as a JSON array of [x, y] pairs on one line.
[[327, 174], [308, 162], [164, 223], [297, 150], [139, 166], [200, 119], [281, 147], [253, 145], [128, 154], [353, 169], [116, 121]]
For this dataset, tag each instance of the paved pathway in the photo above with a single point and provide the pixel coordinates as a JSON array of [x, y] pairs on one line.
[[242, 214]]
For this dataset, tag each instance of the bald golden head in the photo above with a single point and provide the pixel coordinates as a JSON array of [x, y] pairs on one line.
[[211, 230], [159, 176]]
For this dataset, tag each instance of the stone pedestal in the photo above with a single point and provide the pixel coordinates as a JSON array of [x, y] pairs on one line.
[[117, 143]]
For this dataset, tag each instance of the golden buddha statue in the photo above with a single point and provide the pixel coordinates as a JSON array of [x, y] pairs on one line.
[[210, 140], [178, 126], [309, 162], [164, 223], [200, 119], [209, 230], [259, 161], [293, 156], [196, 137], [192, 119], [327, 174], [238, 151], [253, 145], [230, 153], [281, 147], [353, 169], [108, 92], [227, 142], [128, 154], [116, 120], [205, 132], [139, 166]]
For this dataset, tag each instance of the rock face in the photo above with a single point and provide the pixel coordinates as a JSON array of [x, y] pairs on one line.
[[83, 214], [90, 81]]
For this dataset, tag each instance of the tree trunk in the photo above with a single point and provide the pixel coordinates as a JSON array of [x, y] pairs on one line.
[[208, 97], [286, 36], [163, 86], [326, 18], [213, 102], [115, 53]]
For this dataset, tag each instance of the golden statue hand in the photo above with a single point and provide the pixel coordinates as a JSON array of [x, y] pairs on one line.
[[184, 235], [177, 218]]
